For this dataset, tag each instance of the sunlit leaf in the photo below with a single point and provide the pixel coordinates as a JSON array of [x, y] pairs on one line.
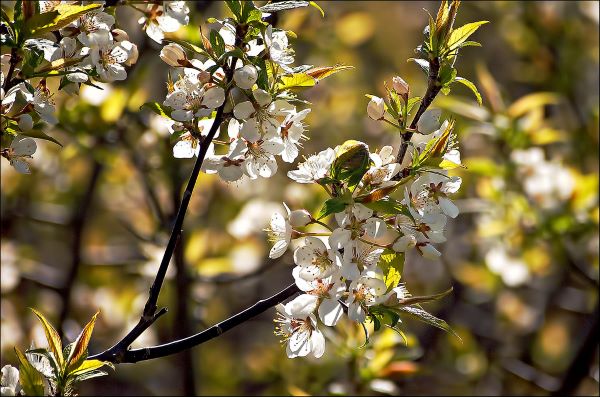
[[460, 35], [37, 133], [296, 81], [531, 101], [427, 318], [320, 73], [79, 351], [56, 19], [471, 86], [52, 337], [31, 380], [392, 264]]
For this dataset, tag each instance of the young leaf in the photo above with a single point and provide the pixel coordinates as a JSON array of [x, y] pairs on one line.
[[296, 81], [30, 379], [427, 318], [460, 35], [319, 73], [52, 337], [471, 86], [217, 43], [387, 206], [56, 19], [392, 264], [89, 366], [411, 300], [35, 133], [333, 205], [157, 108], [79, 351]]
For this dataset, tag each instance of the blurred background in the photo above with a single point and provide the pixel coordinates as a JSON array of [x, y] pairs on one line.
[[87, 229]]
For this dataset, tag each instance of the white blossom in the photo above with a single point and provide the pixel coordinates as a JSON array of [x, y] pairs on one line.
[[245, 77], [297, 325], [315, 260], [367, 290], [280, 233], [292, 132], [20, 149], [328, 291], [166, 18], [10, 381], [313, 168], [429, 194]]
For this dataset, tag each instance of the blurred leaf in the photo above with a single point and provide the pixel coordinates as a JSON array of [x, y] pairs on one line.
[[284, 5], [52, 337], [30, 379], [531, 101], [411, 300]]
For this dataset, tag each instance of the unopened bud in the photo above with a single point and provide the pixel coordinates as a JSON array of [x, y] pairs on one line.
[[119, 35], [376, 108], [300, 218], [245, 77], [400, 86], [133, 52], [429, 121], [174, 55], [25, 122]]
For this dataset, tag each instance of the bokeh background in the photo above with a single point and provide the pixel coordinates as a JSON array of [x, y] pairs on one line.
[[86, 230]]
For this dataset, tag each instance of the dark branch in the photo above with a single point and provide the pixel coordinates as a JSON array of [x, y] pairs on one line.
[[149, 353], [433, 88]]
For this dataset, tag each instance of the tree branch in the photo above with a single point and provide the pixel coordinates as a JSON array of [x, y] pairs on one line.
[[150, 314], [149, 353], [433, 88]]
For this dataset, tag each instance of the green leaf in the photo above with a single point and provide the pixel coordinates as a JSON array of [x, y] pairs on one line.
[[88, 375], [217, 43], [56, 19], [235, 7], [351, 162], [79, 351], [447, 74], [52, 337], [411, 103], [157, 108], [30, 379], [284, 5], [428, 318], [332, 205], [392, 264], [295, 81], [387, 206], [411, 300], [37, 133], [460, 35], [471, 86]]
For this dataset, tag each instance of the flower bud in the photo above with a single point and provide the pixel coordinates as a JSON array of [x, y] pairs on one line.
[[400, 86], [245, 77], [429, 121], [299, 218], [132, 51], [119, 35], [376, 108], [25, 122], [174, 55]]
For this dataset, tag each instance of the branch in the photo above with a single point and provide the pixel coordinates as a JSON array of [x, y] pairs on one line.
[[150, 314], [433, 88], [149, 353]]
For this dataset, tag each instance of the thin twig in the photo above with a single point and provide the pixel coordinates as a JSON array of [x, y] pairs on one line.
[[149, 353]]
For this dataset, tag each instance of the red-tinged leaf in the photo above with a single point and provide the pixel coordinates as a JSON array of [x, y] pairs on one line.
[[53, 338], [79, 351]]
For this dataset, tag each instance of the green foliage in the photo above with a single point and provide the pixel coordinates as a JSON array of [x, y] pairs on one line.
[[59, 368], [56, 19], [392, 264]]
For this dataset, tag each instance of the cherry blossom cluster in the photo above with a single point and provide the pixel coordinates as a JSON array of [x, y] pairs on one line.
[[261, 119], [84, 45], [353, 267]]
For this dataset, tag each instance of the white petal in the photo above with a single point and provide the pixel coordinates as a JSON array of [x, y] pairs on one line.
[[302, 306], [317, 341], [243, 110], [448, 207], [330, 312]]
